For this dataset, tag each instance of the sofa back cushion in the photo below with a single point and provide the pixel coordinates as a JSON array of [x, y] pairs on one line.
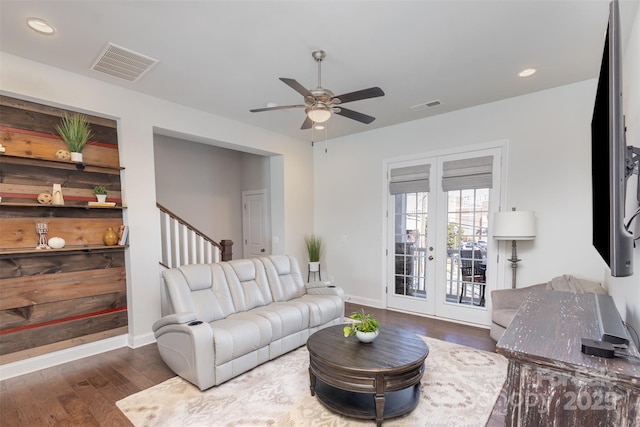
[[198, 288], [285, 279], [247, 282]]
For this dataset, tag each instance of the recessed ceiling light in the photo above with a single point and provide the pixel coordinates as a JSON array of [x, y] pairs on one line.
[[40, 25], [527, 72]]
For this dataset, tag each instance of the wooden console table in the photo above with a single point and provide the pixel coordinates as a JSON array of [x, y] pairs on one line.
[[551, 382]]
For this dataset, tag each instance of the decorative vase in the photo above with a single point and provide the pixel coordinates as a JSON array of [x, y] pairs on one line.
[[110, 237], [314, 266], [102, 198], [367, 337], [57, 198], [76, 157]]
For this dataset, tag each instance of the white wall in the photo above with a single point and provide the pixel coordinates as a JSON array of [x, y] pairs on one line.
[[548, 171], [138, 115]]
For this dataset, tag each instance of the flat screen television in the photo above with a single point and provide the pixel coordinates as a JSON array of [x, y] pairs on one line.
[[609, 157]]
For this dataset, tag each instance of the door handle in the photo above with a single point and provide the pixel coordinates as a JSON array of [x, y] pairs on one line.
[[262, 250]]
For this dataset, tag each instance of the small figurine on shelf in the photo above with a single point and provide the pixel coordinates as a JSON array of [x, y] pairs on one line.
[[57, 195], [42, 229]]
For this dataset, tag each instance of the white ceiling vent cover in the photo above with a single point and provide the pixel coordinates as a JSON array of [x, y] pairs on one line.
[[123, 63]]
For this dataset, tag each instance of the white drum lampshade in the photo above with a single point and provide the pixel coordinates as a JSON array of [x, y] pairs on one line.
[[514, 225]]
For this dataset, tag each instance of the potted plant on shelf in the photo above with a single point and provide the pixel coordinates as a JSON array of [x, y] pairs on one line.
[[365, 328], [101, 193], [314, 247], [75, 132]]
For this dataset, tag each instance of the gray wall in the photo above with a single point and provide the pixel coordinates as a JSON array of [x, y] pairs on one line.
[[203, 184]]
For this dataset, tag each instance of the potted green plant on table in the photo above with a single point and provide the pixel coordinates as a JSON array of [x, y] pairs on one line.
[[365, 327], [314, 247], [75, 132], [101, 193]]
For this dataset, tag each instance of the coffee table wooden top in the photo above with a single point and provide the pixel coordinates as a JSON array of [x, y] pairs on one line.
[[393, 350], [378, 380]]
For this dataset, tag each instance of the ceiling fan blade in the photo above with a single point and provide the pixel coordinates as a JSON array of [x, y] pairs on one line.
[[296, 86], [307, 123], [372, 92], [280, 107], [345, 112]]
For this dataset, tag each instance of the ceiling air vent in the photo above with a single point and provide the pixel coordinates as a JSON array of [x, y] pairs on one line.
[[123, 63], [426, 105]]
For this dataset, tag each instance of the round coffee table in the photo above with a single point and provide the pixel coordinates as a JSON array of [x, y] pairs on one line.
[[377, 381]]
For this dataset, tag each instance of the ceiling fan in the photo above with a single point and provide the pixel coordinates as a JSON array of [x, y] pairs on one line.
[[320, 104]]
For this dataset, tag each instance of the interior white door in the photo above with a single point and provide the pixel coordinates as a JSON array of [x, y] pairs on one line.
[[255, 233]]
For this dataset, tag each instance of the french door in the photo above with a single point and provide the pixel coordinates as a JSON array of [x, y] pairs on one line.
[[438, 247]]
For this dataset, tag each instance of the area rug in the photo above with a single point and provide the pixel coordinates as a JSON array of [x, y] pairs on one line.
[[459, 388]]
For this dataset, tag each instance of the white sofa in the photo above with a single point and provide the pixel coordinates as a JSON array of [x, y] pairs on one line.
[[223, 319]]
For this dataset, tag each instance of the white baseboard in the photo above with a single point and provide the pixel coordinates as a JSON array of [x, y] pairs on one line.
[[364, 301], [36, 363], [141, 340]]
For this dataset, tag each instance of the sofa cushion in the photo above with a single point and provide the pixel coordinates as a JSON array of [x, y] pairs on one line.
[[284, 277], [248, 283], [322, 308], [239, 334], [200, 289], [285, 318]]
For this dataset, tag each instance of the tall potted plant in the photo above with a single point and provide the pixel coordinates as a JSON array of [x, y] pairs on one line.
[[75, 132], [314, 247]]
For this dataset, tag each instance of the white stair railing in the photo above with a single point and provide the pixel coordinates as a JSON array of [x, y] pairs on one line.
[[183, 244]]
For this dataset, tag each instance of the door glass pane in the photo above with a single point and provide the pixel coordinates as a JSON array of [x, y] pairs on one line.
[[411, 213], [467, 231]]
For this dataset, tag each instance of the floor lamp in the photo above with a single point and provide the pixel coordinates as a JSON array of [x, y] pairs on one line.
[[514, 225]]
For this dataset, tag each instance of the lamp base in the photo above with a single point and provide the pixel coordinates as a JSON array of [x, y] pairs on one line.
[[514, 263]]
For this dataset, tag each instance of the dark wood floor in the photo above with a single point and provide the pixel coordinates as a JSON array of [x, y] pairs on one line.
[[84, 392]]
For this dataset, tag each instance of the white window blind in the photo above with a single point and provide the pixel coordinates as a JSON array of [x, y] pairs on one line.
[[410, 179], [475, 172]]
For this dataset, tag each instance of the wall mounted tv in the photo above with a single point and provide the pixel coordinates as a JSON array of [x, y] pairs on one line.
[[611, 159]]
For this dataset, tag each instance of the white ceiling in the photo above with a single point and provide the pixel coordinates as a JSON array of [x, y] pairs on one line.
[[225, 57]]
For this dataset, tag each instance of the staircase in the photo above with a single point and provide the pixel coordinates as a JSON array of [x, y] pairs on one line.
[[183, 244]]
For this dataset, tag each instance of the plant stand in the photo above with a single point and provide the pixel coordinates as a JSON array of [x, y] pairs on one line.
[[313, 267]]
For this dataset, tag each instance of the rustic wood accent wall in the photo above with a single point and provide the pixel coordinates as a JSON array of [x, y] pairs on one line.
[[58, 298]]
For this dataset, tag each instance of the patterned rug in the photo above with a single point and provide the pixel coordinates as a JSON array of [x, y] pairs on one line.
[[459, 388]]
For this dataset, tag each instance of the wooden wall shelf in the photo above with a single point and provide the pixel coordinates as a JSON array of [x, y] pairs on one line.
[[57, 164], [52, 299], [70, 248], [65, 206]]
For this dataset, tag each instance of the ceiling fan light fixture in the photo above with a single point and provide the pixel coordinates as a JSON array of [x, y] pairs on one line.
[[319, 113]]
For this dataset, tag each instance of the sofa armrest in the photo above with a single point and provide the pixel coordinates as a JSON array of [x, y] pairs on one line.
[[318, 284], [176, 318], [326, 290], [186, 346]]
